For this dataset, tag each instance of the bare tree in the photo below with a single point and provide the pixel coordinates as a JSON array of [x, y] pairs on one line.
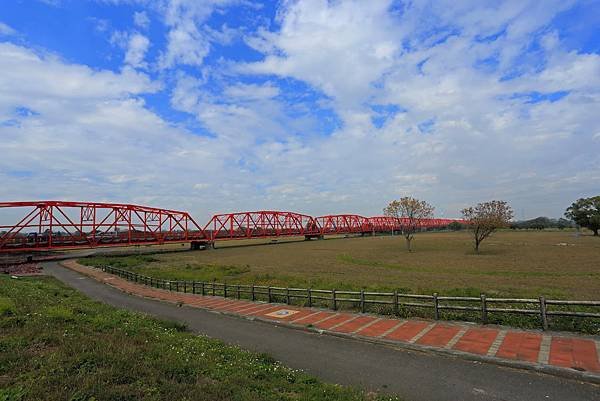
[[487, 217], [409, 211]]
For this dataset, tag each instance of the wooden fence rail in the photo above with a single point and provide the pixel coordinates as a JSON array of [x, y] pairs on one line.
[[481, 306]]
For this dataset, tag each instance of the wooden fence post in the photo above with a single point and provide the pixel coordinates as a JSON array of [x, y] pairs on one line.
[[253, 294], [185, 286], [238, 291], [202, 288], [170, 286], [269, 294], [334, 303], [362, 301], [225, 289], [436, 309], [213, 287], [194, 287], [543, 313], [484, 318], [287, 295], [309, 295], [396, 309]]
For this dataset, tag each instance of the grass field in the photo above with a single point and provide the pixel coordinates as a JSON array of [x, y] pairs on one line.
[[556, 264], [55, 344]]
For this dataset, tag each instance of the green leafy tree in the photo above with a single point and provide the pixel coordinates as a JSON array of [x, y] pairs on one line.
[[455, 226], [409, 211], [487, 217], [586, 213]]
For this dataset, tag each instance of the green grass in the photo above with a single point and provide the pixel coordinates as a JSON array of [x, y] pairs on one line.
[[516, 264], [523, 264], [56, 344]]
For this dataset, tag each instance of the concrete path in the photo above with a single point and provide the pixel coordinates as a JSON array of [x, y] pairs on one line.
[[412, 374]]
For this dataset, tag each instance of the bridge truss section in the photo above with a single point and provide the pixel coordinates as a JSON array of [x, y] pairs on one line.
[[45, 225]]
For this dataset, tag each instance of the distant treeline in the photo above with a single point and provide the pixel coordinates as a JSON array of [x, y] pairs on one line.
[[540, 223]]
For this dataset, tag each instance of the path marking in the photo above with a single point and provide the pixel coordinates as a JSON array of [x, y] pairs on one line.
[[254, 309], [385, 333], [421, 333], [216, 304], [326, 318], [248, 307], [344, 322], [304, 317], [282, 313], [544, 354], [366, 325], [497, 342], [456, 337]]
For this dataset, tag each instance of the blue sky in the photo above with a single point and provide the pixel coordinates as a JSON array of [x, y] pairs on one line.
[[314, 106]]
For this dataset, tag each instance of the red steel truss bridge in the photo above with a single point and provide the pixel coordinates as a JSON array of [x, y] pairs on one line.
[[48, 225]]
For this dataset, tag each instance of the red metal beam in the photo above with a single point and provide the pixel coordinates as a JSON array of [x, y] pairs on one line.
[[58, 225], [47, 225], [260, 224]]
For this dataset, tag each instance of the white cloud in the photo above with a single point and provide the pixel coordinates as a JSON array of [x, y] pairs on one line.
[[186, 45], [141, 20], [6, 30], [340, 48], [427, 60], [88, 136], [252, 91], [46, 70], [136, 50], [442, 65], [186, 42]]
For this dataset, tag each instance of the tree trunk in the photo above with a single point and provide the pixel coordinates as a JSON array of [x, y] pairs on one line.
[[408, 240], [476, 245]]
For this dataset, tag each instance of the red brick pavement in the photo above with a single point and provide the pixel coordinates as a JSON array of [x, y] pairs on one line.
[[439, 336], [566, 351], [477, 341], [521, 346]]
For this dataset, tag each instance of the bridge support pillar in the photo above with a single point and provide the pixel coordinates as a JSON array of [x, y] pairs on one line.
[[201, 245]]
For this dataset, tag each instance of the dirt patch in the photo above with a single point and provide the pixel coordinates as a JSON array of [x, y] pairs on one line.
[[21, 269]]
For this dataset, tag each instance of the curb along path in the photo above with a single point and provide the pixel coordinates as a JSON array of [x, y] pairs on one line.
[[562, 354]]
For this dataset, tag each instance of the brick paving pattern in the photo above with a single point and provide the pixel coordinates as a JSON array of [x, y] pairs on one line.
[[565, 351]]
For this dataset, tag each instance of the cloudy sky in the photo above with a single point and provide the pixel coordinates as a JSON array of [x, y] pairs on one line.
[[314, 106]]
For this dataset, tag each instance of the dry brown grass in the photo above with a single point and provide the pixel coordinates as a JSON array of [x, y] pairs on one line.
[[522, 263]]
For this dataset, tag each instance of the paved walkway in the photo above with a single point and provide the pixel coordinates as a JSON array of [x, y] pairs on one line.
[[562, 353]]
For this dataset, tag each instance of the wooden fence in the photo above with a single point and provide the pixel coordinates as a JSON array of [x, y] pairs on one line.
[[394, 301]]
